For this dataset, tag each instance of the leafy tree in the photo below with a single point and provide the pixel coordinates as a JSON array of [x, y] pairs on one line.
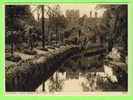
[[114, 25], [16, 17], [57, 21]]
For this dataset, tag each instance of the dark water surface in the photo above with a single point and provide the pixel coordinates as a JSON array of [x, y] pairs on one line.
[[80, 73]]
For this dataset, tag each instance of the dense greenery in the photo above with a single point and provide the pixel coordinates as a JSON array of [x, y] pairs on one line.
[[51, 26], [114, 25]]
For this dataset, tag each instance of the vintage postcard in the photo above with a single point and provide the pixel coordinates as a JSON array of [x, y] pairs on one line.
[[66, 49]]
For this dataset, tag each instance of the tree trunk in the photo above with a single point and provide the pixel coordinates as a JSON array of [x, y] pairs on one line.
[[56, 31], [43, 27], [110, 42], [50, 38], [12, 44], [63, 37], [30, 40], [43, 86]]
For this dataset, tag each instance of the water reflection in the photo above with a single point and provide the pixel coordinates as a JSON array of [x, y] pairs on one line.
[[75, 82], [77, 74], [83, 73]]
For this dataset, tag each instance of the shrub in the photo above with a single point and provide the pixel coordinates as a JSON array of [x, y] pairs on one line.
[[14, 58], [44, 49], [30, 52]]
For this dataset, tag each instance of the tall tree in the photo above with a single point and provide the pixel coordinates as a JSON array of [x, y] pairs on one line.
[[57, 21], [115, 23], [16, 17], [43, 27]]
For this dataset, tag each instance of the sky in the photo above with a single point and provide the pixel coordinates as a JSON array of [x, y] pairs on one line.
[[84, 8]]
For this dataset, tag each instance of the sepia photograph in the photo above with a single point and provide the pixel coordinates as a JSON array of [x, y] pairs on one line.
[[66, 48]]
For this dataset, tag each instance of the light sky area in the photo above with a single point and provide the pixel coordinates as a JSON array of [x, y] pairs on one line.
[[84, 8]]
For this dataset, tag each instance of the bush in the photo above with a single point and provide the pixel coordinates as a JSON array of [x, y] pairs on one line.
[[62, 69], [30, 52], [21, 47], [56, 46], [50, 47], [14, 58], [44, 49], [67, 41]]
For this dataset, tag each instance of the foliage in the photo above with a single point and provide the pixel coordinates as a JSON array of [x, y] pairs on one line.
[[29, 52], [114, 25], [17, 24], [15, 58], [14, 18], [111, 28]]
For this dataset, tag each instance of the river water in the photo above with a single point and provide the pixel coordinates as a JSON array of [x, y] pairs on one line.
[[79, 74]]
